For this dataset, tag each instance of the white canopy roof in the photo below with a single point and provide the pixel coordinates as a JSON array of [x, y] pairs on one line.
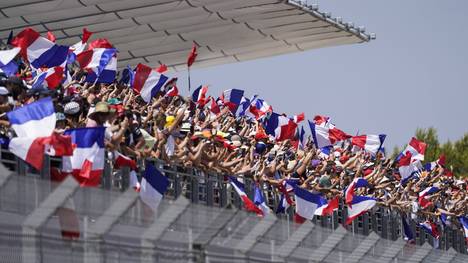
[[162, 31]]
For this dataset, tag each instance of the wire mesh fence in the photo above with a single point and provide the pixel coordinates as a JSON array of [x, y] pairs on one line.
[[204, 231]]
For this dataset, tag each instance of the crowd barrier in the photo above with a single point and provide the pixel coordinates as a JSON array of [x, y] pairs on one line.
[[213, 189]]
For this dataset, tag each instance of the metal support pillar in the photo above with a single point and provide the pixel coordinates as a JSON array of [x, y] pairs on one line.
[[41, 214], [421, 253], [363, 247], [156, 230], [321, 253], [104, 223], [259, 230], [293, 241]]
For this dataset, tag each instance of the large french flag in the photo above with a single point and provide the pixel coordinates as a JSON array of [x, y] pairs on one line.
[[464, 222], [416, 148], [431, 229], [79, 47], [280, 127], [34, 125], [325, 136], [232, 99], [259, 200], [39, 51], [307, 203], [285, 200], [148, 82], [243, 106], [199, 95], [248, 204], [87, 162], [259, 108], [52, 77], [423, 202], [359, 206], [370, 143], [327, 208], [408, 167], [100, 64], [349, 191], [153, 186], [7, 64]]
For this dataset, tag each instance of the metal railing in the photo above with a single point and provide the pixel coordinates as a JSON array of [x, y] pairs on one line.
[[212, 189]]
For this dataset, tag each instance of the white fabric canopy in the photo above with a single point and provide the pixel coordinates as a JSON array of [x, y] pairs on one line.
[[162, 31]]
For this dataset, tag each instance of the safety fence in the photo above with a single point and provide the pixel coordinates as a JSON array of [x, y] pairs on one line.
[[213, 190]]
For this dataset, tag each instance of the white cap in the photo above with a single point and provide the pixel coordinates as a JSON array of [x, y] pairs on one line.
[[3, 91]]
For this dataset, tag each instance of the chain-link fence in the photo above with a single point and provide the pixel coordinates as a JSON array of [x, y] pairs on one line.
[[24, 194]]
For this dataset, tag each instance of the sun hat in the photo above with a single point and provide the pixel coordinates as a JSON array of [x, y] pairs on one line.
[[114, 101], [169, 121], [101, 107]]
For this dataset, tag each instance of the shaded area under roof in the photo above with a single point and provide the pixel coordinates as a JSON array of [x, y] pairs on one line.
[[162, 31]]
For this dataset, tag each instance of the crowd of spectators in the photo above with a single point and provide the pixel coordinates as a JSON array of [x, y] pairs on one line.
[[178, 130]]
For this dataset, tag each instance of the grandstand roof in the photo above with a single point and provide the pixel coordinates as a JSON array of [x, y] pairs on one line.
[[162, 31]]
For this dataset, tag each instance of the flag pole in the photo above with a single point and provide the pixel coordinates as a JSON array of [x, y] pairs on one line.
[[189, 84]]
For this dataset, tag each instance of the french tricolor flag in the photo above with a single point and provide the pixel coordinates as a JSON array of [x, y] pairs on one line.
[[80, 46], [323, 121], [34, 125], [52, 77], [7, 64], [148, 82], [359, 205], [280, 127], [39, 51], [302, 138], [370, 143], [172, 91], [259, 200], [285, 200], [213, 106], [327, 208], [232, 98], [248, 204], [431, 229], [243, 106], [407, 167], [87, 162], [153, 186], [259, 108], [416, 148], [306, 204], [298, 118], [199, 95], [125, 161], [324, 136], [423, 202], [464, 222], [100, 63], [349, 191]]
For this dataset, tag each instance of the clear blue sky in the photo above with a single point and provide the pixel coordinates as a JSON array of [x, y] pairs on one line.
[[414, 74]]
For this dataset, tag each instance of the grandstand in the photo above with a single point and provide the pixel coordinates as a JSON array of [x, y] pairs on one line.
[[162, 31], [203, 216]]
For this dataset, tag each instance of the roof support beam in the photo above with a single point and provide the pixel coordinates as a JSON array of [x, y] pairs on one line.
[[321, 253], [156, 230], [363, 247], [295, 239], [40, 215]]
